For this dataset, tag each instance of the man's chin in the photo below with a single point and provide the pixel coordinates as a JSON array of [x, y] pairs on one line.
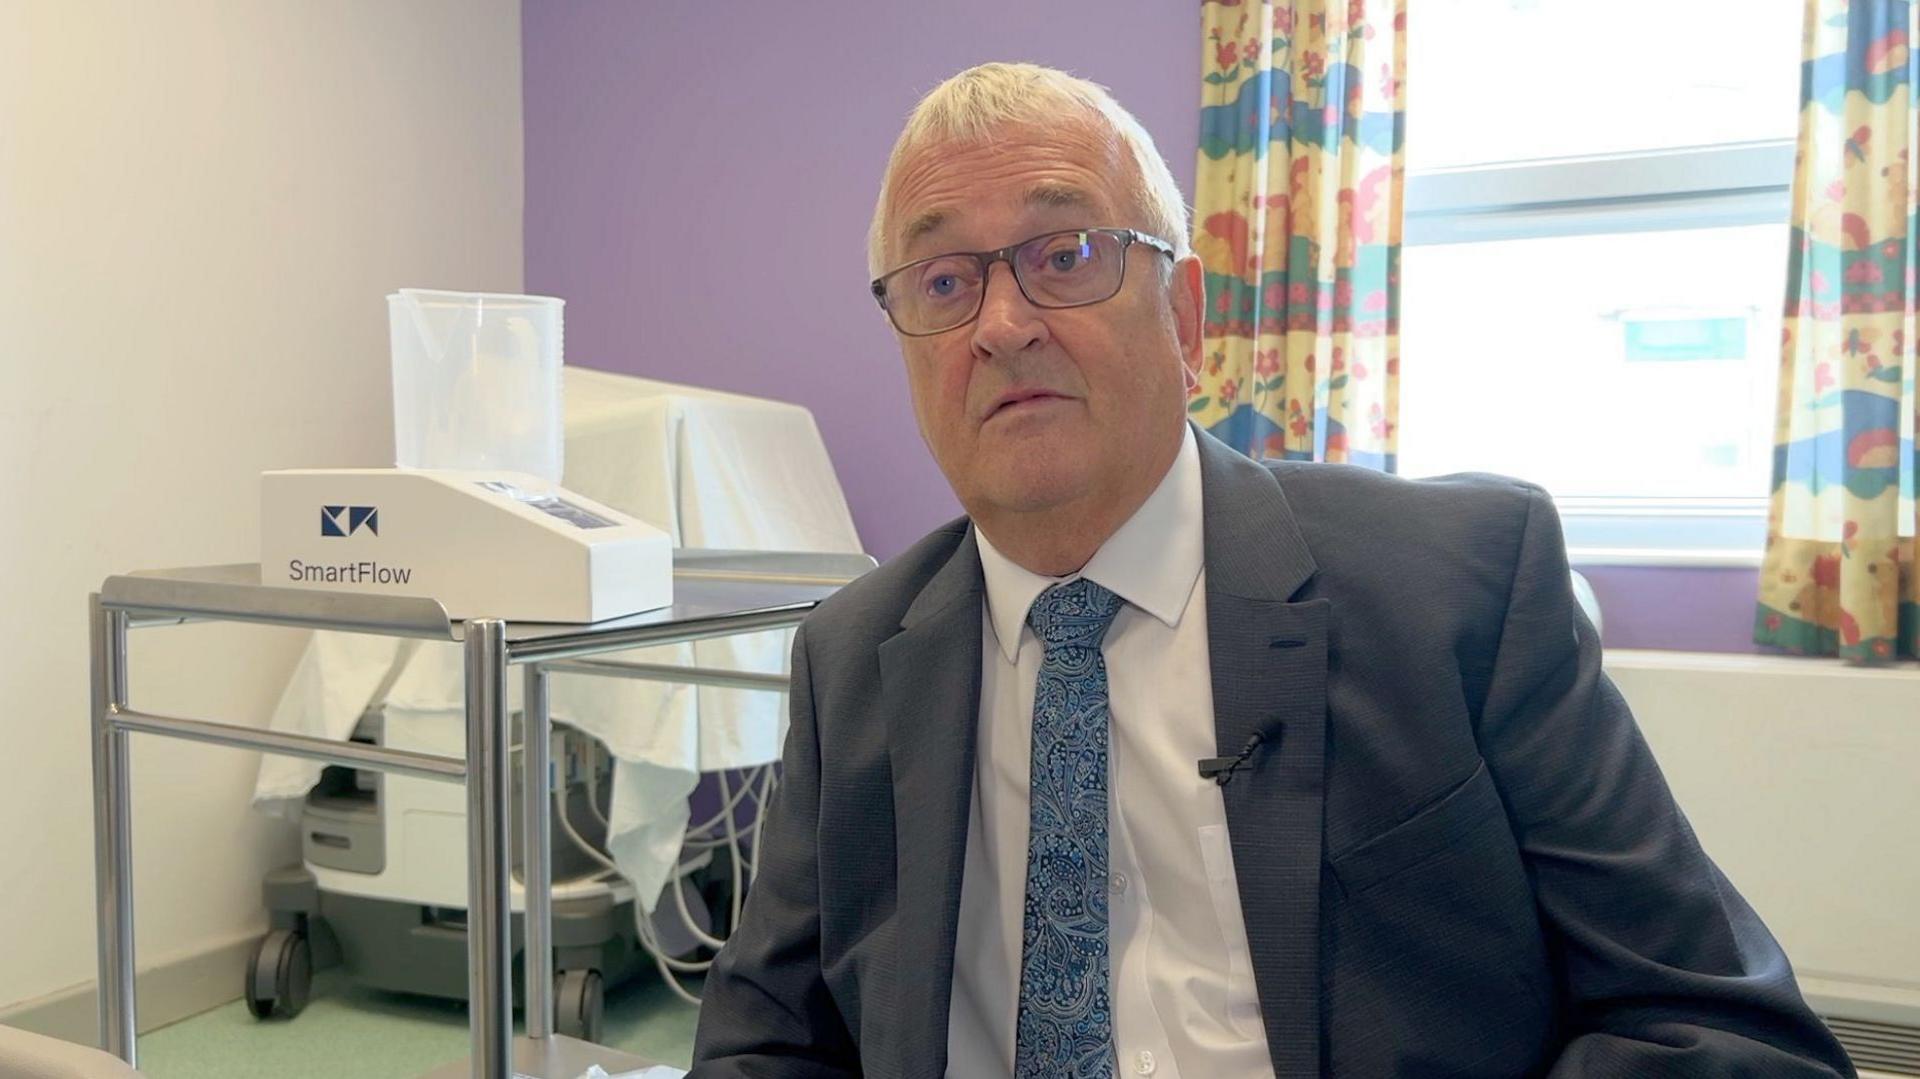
[[1026, 473], [1038, 484]]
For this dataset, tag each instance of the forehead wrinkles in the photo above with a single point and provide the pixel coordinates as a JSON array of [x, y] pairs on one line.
[[1047, 194], [1064, 166]]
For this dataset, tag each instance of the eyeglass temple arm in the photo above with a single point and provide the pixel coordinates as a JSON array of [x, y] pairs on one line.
[[1154, 242]]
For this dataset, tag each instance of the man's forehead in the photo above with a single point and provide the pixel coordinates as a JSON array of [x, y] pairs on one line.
[[1045, 194], [1025, 169]]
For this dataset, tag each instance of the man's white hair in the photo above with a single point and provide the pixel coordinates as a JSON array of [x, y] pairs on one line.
[[971, 106]]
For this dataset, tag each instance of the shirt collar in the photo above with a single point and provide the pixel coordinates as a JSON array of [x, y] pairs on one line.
[[1152, 561]]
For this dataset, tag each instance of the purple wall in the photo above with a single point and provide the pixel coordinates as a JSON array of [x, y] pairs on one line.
[[699, 185], [1684, 609]]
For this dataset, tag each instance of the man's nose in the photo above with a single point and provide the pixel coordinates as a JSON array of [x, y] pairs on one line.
[[1009, 323]]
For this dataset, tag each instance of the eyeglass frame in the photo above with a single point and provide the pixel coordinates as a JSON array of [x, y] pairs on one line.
[[986, 259]]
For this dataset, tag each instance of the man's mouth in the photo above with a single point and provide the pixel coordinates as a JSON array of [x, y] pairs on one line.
[[1023, 400]]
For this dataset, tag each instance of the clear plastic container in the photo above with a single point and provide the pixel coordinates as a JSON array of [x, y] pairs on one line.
[[476, 381]]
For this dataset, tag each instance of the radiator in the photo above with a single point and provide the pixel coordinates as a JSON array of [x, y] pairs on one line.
[[1802, 778]]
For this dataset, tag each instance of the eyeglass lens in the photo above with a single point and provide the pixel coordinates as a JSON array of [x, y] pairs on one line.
[[1062, 269]]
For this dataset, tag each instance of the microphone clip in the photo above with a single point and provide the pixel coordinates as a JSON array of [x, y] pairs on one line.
[[1221, 769]]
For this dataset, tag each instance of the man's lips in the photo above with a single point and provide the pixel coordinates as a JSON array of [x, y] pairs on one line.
[[1014, 399]]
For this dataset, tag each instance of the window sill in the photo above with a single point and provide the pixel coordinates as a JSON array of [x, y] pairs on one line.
[[1680, 533], [1648, 556]]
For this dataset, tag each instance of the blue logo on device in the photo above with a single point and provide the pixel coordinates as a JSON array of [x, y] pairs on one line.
[[346, 520]]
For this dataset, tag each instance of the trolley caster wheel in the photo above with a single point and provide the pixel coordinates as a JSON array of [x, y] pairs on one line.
[[280, 977], [579, 1004]]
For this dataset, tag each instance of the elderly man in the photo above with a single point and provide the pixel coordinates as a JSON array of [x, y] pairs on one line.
[[1165, 762]]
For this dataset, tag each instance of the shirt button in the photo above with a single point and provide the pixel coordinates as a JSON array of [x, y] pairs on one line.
[[1143, 1063], [1118, 885]]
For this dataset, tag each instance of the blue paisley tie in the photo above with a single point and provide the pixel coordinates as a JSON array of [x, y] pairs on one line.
[[1066, 1017]]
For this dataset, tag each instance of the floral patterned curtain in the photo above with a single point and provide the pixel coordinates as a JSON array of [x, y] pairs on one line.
[[1839, 577], [1297, 218]]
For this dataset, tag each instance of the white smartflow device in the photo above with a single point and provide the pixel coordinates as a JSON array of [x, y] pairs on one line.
[[485, 544]]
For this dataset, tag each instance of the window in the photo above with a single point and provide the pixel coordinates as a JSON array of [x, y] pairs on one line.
[[1595, 261]]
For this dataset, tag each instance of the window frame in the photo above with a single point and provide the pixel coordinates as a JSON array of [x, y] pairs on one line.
[[1741, 183]]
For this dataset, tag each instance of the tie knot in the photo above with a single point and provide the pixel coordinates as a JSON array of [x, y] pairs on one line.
[[1073, 615]]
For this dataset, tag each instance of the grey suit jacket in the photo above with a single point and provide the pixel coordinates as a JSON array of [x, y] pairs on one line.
[[1455, 854]]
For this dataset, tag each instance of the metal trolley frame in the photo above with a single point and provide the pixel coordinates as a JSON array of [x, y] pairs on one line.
[[716, 594]]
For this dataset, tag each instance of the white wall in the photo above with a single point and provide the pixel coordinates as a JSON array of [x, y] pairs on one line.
[[1798, 775], [202, 205]]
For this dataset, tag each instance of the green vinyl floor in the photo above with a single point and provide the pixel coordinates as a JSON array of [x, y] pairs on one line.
[[352, 1030]]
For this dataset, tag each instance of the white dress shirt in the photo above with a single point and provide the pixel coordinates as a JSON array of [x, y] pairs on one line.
[[1182, 993]]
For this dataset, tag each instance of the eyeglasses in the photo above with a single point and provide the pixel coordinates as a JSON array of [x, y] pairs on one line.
[[1073, 268]]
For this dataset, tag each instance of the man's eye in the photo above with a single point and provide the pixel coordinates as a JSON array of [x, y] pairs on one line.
[[1064, 259], [946, 280]]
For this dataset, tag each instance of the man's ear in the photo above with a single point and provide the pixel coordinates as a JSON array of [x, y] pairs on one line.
[[1189, 294]]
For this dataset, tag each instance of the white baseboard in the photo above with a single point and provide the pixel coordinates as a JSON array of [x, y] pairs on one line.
[[166, 992], [1854, 998]]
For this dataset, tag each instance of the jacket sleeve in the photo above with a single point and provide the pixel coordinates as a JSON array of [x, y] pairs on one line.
[[765, 1009], [1664, 969]]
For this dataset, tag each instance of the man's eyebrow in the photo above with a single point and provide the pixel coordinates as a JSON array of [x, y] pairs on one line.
[[1055, 195], [922, 225], [1047, 194]]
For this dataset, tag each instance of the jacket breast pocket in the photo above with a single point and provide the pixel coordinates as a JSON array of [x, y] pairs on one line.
[[1456, 819]]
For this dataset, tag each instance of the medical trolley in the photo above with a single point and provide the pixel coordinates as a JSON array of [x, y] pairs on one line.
[[716, 594]]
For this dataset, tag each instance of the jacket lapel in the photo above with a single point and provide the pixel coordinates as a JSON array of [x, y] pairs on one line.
[[930, 696], [1269, 671]]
